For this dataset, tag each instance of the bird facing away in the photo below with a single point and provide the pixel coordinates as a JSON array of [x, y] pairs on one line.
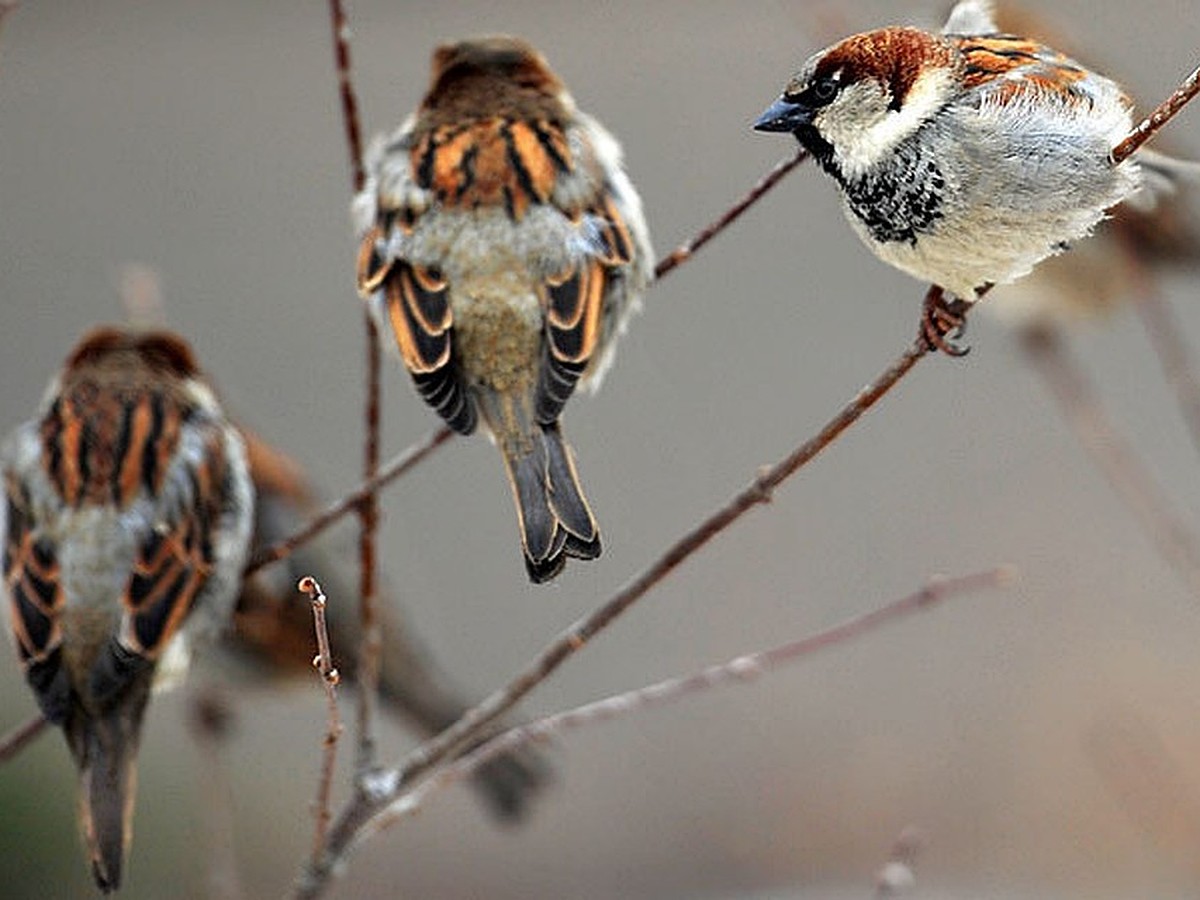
[[126, 521], [502, 248], [963, 158]]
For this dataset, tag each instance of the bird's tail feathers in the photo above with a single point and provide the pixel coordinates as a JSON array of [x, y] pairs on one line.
[[105, 751], [555, 518]]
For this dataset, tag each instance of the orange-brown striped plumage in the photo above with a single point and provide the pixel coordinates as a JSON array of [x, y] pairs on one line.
[[127, 511], [502, 246]]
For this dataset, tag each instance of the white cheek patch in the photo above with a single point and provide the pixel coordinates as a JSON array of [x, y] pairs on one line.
[[864, 131]]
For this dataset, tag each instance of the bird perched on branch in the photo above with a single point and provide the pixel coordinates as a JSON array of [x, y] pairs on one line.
[[963, 158], [502, 248], [126, 522]]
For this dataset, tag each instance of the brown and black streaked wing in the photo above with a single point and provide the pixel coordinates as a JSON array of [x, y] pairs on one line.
[[170, 569], [575, 309], [31, 574], [417, 303], [1007, 67]]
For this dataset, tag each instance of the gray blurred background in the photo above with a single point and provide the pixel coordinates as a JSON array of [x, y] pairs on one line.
[[1045, 739]]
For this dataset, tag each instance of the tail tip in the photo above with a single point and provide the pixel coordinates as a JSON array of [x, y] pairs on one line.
[[107, 875], [545, 570], [574, 547]]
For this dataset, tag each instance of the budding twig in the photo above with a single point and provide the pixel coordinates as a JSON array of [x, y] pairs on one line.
[[329, 678]]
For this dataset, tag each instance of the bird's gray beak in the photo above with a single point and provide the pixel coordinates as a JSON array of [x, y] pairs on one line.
[[783, 115]]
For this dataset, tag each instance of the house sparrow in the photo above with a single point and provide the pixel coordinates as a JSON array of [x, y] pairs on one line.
[[503, 247], [126, 524], [963, 158], [272, 635]]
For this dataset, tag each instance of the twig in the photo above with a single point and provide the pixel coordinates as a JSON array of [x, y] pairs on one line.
[[1163, 113], [341, 63], [1112, 454], [741, 670], [368, 507], [17, 739], [329, 678], [684, 251], [368, 514], [400, 464], [355, 820]]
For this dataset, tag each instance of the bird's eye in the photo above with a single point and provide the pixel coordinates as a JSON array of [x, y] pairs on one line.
[[824, 90]]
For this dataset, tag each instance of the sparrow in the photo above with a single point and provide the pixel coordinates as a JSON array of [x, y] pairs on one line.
[[503, 248], [125, 526], [272, 642], [963, 158]]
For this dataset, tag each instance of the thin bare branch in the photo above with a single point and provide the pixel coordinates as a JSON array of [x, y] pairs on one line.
[[400, 464], [350, 122], [684, 251], [359, 817], [1112, 454], [368, 514], [741, 670], [368, 506], [21, 736], [333, 730], [1163, 113]]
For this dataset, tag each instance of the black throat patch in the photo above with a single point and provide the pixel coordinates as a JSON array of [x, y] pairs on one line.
[[899, 201]]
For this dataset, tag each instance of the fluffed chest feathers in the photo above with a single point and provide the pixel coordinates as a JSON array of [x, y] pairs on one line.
[[899, 200]]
